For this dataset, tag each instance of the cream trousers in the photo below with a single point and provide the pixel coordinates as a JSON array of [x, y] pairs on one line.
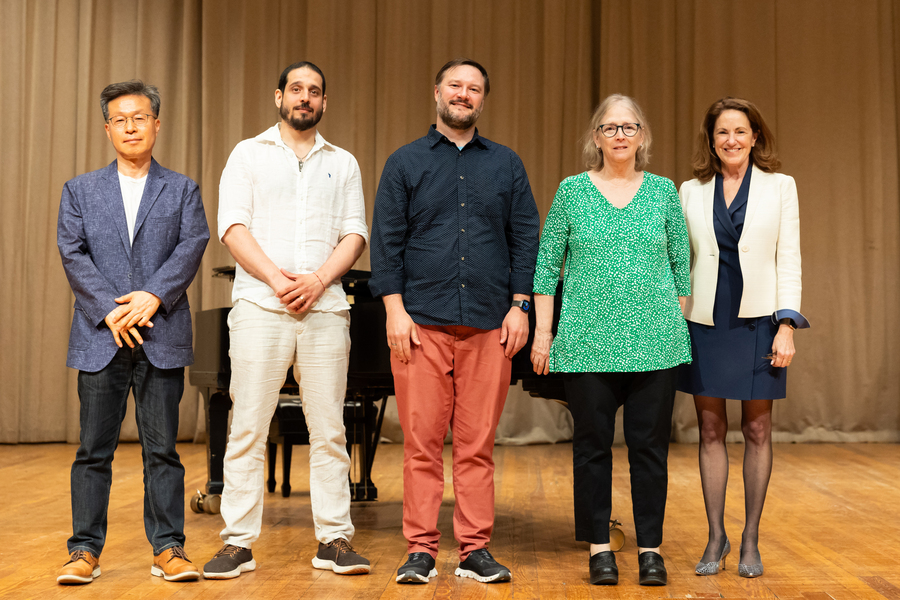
[[264, 344]]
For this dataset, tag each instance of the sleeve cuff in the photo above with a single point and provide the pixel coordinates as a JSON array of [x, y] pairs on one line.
[[800, 322], [521, 283], [228, 219], [386, 284]]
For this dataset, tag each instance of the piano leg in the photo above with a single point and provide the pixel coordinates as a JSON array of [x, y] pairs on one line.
[[272, 451], [288, 449], [363, 421], [217, 406]]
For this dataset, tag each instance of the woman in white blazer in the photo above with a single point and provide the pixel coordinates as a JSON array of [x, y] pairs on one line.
[[744, 225]]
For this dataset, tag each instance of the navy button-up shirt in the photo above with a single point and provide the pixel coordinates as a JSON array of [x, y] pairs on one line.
[[454, 231]]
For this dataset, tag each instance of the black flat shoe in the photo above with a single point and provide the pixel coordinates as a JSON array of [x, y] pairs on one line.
[[652, 569], [603, 569]]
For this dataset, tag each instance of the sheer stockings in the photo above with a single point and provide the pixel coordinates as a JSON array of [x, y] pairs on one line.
[[756, 425]]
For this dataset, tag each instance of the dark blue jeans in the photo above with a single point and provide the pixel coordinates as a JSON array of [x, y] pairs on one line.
[[104, 396]]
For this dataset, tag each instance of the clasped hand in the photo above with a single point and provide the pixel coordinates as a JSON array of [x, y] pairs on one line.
[[135, 310], [298, 293]]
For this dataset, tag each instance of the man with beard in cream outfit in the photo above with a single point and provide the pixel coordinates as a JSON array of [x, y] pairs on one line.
[[291, 213]]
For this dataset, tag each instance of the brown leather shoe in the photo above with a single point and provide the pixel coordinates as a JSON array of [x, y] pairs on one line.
[[172, 564], [83, 567]]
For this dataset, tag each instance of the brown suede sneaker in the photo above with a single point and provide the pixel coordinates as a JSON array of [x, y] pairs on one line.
[[338, 556], [172, 564], [83, 567]]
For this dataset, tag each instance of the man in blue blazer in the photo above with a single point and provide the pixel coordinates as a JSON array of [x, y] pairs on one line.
[[131, 236]]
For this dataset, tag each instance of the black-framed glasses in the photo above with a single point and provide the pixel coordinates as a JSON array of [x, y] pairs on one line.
[[139, 120], [629, 129]]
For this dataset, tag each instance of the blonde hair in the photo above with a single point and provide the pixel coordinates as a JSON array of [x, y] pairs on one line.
[[593, 158]]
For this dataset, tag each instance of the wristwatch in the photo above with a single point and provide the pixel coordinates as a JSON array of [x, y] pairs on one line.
[[525, 305]]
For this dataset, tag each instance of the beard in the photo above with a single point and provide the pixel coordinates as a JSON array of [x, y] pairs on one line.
[[304, 121], [455, 121]]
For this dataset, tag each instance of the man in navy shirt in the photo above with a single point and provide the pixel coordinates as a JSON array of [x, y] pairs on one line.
[[454, 243]]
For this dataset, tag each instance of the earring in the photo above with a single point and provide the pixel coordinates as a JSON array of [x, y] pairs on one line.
[[599, 151]]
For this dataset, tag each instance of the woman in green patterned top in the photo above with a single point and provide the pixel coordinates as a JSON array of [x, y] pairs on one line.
[[621, 333]]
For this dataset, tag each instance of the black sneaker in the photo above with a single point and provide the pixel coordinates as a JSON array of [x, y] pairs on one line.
[[481, 566], [418, 568], [229, 562], [338, 556]]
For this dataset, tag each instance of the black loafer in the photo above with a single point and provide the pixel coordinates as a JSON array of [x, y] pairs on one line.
[[603, 569], [652, 569]]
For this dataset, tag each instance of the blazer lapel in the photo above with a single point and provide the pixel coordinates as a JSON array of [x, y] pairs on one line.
[[754, 196], [112, 194], [155, 184], [709, 189]]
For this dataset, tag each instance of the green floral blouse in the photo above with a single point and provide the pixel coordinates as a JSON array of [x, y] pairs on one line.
[[625, 269]]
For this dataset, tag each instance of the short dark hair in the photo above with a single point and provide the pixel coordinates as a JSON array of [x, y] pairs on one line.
[[135, 87], [706, 162], [459, 62], [303, 64]]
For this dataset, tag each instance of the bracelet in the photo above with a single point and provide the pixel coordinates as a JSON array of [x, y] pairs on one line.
[[320, 280]]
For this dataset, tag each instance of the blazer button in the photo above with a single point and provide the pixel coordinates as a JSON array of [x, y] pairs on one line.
[[745, 248], [752, 327]]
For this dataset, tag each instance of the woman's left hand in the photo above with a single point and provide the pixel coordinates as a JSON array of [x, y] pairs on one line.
[[783, 346]]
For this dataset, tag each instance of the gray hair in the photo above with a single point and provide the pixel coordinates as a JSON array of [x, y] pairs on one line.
[[593, 159], [135, 87]]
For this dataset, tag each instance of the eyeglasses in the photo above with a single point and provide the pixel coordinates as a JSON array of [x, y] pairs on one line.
[[139, 120], [629, 129]]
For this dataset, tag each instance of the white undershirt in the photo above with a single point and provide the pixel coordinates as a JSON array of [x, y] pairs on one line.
[[132, 190]]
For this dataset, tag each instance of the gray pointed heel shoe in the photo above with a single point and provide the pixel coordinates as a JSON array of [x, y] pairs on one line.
[[712, 567], [750, 571]]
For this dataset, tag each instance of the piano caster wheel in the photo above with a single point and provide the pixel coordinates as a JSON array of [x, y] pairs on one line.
[[206, 503], [616, 536]]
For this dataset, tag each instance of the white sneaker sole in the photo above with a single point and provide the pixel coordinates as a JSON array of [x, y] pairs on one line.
[[186, 576], [330, 565], [250, 565], [500, 577], [413, 577], [77, 579]]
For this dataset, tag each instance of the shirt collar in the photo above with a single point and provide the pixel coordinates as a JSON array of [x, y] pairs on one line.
[[434, 136], [272, 135]]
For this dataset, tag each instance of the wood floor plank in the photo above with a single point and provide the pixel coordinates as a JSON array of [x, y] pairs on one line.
[[828, 530]]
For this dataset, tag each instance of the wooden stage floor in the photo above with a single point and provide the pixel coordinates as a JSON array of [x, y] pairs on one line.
[[830, 530]]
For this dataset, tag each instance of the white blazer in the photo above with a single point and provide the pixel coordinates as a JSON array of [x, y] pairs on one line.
[[769, 248]]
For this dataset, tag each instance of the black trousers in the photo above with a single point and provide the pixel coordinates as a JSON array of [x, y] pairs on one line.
[[593, 399]]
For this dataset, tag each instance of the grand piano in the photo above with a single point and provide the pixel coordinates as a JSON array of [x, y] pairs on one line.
[[369, 383]]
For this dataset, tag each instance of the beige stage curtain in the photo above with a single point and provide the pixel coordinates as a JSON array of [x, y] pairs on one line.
[[824, 73], [56, 57]]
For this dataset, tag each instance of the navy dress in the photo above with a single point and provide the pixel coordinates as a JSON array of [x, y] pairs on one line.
[[727, 357]]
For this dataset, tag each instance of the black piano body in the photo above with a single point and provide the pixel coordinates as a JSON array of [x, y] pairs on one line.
[[369, 381]]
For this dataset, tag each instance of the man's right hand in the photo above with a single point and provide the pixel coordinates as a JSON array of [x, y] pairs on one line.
[[401, 330], [119, 330]]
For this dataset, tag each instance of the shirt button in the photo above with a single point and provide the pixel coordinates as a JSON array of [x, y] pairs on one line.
[[463, 285], [462, 203], [461, 177], [463, 230], [462, 258]]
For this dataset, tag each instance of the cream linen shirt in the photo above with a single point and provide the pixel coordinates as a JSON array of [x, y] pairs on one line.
[[297, 216]]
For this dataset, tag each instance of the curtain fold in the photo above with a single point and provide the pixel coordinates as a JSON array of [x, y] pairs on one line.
[[832, 106]]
